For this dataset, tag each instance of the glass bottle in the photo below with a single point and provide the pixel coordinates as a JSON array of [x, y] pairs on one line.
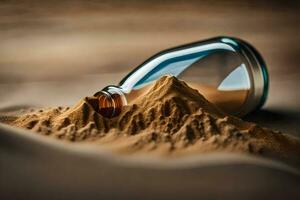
[[229, 72]]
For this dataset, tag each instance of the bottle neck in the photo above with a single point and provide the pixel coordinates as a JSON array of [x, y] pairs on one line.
[[111, 101]]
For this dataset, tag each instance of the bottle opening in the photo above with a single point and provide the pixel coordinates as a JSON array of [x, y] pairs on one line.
[[111, 101]]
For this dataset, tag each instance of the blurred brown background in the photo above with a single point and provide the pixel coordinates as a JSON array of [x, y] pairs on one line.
[[55, 52]]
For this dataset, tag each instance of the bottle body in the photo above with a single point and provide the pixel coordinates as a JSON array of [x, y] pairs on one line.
[[227, 71]]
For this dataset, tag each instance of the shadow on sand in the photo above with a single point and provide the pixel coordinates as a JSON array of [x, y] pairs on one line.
[[282, 120]]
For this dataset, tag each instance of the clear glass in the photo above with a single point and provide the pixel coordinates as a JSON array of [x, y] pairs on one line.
[[227, 71]]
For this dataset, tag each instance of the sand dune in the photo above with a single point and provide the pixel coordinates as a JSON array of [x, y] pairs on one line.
[[170, 120]]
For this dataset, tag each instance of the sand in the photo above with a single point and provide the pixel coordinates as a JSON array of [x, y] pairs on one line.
[[169, 120]]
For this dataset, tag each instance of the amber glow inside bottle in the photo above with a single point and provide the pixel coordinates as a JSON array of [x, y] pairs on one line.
[[229, 72]]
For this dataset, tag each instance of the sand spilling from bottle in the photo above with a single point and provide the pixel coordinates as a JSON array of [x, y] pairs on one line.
[[170, 119]]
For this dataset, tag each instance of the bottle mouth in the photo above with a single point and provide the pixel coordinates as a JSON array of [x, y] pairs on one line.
[[111, 101]]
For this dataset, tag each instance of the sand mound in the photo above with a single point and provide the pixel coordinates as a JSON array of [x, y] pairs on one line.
[[170, 119]]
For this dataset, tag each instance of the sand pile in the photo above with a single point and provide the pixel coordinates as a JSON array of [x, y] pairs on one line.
[[170, 119]]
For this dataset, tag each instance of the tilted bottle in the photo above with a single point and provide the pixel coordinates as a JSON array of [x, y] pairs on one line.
[[229, 72]]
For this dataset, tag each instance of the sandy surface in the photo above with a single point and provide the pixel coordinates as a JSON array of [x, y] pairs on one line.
[[34, 49], [32, 166], [169, 119], [94, 171]]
